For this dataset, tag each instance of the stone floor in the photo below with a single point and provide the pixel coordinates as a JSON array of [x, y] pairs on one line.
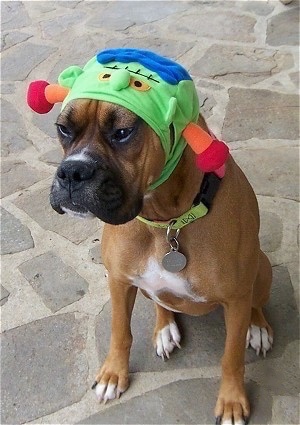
[[243, 57]]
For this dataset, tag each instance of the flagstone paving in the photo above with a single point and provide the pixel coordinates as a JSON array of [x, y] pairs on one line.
[[243, 56]]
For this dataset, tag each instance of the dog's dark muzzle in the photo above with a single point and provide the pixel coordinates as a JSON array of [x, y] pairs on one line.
[[74, 174], [85, 188]]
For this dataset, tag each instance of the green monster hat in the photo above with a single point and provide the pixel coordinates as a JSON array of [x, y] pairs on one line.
[[155, 88]]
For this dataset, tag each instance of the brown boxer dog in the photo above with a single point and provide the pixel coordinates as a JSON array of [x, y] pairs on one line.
[[111, 156]]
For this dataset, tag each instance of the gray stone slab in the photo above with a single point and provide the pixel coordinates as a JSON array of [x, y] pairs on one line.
[[270, 170], [18, 175], [42, 8], [30, 55], [183, 402], [283, 316], [8, 88], [4, 295], [206, 95], [15, 237], [95, 255], [283, 29], [55, 282], [46, 123], [83, 47], [52, 157], [69, 4], [286, 410], [271, 231], [257, 7], [215, 21], [261, 113], [204, 84], [44, 367], [13, 132], [52, 28], [11, 38], [294, 76], [240, 64], [279, 376], [13, 15], [37, 206], [131, 13], [202, 337], [207, 103]]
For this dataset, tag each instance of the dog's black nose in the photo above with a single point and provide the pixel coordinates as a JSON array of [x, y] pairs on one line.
[[75, 172]]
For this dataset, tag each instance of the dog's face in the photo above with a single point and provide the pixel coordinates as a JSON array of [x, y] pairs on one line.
[[109, 161]]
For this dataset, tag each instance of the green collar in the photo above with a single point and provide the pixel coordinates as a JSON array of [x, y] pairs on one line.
[[200, 207], [188, 217]]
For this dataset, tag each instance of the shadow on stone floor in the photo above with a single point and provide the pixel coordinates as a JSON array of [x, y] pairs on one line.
[[188, 401], [203, 337]]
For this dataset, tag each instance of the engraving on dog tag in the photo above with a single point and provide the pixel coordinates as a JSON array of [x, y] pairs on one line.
[[174, 261]]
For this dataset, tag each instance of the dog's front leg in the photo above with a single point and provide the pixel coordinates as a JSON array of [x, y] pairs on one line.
[[112, 379], [232, 405]]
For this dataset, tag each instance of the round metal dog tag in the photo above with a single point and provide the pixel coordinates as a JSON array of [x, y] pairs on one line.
[[174, 261]]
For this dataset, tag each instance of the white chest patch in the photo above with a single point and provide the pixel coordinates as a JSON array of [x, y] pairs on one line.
[[156, 279]]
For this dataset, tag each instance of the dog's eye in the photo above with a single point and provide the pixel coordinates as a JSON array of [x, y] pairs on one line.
[[122, 135], [63, 131]]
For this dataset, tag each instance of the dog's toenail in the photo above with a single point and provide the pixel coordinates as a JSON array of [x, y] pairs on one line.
[[246, 420], [218, 420]]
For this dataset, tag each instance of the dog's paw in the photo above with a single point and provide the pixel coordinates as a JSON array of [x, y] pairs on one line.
[[259, 339], [105, 392], [167, 339], [230, 422], [112, 379], [232, 406]]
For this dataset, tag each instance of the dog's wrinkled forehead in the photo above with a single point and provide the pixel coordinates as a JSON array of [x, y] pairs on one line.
[[80, 113]]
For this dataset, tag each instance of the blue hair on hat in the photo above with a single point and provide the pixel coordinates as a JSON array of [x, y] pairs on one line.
[[170, 71]]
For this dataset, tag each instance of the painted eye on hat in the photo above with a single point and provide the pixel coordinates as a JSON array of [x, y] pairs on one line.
[[104, 76], [139, 85]]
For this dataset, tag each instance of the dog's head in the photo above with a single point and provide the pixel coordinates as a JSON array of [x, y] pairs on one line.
[[111, 157], [125, 121]]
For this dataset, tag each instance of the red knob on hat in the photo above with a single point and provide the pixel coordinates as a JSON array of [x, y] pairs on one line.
[[213, 157], [36, 98]]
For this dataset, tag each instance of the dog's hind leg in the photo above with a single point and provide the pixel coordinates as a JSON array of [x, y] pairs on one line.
[[166, 335], [260, 334]]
